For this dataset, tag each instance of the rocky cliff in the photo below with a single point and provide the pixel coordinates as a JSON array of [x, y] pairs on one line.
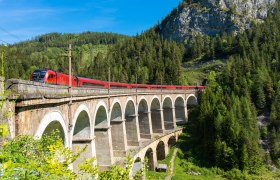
[[210, 17]]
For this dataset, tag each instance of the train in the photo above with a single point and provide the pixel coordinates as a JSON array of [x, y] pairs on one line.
[[59, 78]]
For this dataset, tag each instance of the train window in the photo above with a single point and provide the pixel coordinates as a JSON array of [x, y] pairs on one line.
[[38, 75], [50, 76]]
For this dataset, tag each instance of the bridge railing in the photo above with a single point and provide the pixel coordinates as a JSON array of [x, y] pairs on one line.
[[32, 90]]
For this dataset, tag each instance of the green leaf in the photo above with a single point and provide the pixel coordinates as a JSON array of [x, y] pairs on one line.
[[3, 130]]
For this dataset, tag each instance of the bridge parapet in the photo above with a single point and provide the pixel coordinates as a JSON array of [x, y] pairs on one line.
[[33, 90]]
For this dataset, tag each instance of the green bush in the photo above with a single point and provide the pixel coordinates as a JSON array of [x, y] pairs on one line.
[[25, 157], [235, 174], [264, 132]]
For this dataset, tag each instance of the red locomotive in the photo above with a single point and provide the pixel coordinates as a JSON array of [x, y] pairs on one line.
[[53, 77]]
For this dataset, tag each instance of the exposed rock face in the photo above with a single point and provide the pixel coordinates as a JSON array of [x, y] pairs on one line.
[[210, 17]]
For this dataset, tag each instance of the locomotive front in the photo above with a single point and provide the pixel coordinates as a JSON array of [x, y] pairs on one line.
[[38, 75]]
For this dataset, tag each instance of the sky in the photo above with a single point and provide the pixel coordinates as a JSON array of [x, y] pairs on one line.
[[22, 20]]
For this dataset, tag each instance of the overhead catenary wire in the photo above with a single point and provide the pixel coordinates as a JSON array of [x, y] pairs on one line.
[[5, 43], [9, 33]]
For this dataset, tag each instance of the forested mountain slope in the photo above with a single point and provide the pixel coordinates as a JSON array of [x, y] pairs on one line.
[[147, 56], [50, 50], [226, 127]]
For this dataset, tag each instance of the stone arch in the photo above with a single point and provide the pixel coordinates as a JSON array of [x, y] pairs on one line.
[[117, 130], [143, 119], [103, 142], [137, 166], [160, 151], [156, 116], [82, 134], [171, 142], [131, 124], [150, 157], [180, 110], [191, 101], [101, 115], [51, 121], [168, 115], [82, 123]]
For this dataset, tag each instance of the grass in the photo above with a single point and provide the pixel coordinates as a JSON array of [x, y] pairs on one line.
[[168, 158], [153, 175], [196, 70], [186, 170], [193, 77]]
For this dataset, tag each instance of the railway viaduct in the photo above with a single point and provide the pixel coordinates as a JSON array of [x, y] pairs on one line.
[[113, 123]]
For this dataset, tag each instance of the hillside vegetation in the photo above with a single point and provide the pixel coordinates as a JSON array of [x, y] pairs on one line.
[[50, 51], [225, 131]]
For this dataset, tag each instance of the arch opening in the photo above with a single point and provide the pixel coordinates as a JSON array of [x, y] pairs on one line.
[[180, 111], [101, 117], [53, 121], [156, 116], [150, 159], [191, 101], [143, 118], [82, 137], [168, 114], [137, 166], [131, 124], [117, 129], [56, 127], [171, 142], [160, 151], [82, 127], [102, 140]]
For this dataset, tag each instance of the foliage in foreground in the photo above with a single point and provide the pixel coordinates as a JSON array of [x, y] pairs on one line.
[[27, 158]]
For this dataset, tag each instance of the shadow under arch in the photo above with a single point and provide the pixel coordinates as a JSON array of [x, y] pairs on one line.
[[150, 159], [160, 151], [102, 137], [171, 142], [118, 129], [132, 131], [168, 117], [191, 102], [156, 116], [180, 110], [82, 135], [143, 119]]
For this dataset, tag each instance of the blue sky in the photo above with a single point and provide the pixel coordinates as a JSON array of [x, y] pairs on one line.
[[25, 19]]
